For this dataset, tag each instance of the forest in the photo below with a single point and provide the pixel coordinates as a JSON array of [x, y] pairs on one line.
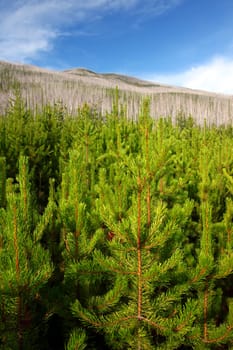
[[115, 233]]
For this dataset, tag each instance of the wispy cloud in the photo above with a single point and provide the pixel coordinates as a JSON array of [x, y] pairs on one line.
[[214, 75], [151, 8], [29, 27]]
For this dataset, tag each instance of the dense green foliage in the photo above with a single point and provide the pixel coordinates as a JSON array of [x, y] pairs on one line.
[[114, 234]]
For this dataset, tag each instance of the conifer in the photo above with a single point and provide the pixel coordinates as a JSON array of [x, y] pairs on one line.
[[142, 305], [214, 265], [24, 264], [129, 246], [2, 181]]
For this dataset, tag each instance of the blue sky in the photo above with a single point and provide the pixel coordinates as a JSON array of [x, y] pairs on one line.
[[180, 42]]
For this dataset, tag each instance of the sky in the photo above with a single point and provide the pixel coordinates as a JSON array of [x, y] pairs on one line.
[[178, 42]]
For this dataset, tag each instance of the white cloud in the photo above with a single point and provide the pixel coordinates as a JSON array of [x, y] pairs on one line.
[[215, 75], [31, 26], [157, 7]]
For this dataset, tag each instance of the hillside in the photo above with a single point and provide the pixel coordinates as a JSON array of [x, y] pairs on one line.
[[74, 87]]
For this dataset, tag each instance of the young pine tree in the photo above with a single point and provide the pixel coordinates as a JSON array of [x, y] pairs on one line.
[[142, 303], [213, 328], [24, 264]]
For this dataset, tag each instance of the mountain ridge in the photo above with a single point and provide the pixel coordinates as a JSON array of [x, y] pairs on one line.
[[77, 86]]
